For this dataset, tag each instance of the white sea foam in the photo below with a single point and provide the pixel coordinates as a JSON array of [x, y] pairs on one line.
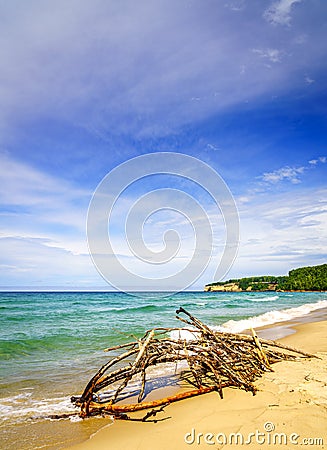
[[270, 317], [23, 406], [76, 419], [265, 299]]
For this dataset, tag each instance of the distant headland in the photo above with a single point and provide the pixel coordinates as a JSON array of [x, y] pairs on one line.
[[302, 279]]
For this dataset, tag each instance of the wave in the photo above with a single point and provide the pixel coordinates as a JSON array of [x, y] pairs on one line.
[[270, 317], [150, 307], [233, 305], [264, 299], [22, 407], [134, 308], [29, 346]]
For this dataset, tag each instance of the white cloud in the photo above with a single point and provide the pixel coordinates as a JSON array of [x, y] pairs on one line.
[[279, 13], [321, 159], [36, 205], [26, 186], [243, 199], [31, 262], [285, 173], [134, 69], [291, 174], [235, 5], [271, 54], [213, 147], [279, 233], [309, 80]]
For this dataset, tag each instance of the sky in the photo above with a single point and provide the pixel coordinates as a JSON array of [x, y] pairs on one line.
[[86, 86]]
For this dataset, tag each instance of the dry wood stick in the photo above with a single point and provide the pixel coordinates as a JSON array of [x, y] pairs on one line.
[[261, 352], [112, 408], [134, 368]]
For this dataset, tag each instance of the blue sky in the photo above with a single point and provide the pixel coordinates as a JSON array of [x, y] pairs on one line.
[[85, 86]]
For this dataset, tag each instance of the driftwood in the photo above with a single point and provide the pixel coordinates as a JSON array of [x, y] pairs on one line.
[[213, 361]]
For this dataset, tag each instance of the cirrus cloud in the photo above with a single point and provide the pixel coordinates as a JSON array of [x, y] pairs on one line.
[[279, 13], [291, 174]]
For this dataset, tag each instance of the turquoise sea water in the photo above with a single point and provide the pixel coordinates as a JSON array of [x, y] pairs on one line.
[[51, 343]]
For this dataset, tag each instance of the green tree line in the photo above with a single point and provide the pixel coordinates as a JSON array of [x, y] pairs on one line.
[[303, 279], [306, 279]]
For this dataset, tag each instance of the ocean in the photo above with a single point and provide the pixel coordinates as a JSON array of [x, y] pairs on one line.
[[51, 343]]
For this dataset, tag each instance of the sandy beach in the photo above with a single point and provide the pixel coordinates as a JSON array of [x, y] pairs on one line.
[[290, 409]]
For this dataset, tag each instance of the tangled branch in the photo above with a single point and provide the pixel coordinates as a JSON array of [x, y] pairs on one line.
[[214, 360]]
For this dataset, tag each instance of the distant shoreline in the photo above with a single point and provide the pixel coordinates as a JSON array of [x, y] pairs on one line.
[[303, 279], [265, 291]]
